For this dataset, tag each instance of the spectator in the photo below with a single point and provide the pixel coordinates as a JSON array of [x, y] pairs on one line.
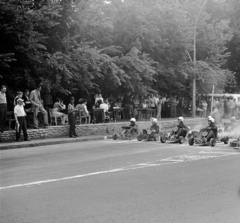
[[98, 97], [82, 106], [104, 106], [221, 107], [159, 108], [35, 98], [204, 108], [3, 107], [19, 95], [57, 108], [72, 118], [216, 115], [27, 102], [21, 124]]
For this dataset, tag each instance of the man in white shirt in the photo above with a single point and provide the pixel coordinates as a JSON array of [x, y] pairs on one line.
[[21, 124]]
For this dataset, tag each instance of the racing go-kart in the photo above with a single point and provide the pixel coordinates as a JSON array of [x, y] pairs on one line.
[[126, 134], [148, 135], [198, 137], [169, 137]]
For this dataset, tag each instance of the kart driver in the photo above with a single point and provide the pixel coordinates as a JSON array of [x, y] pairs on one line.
[[233, 123], [154, 130], [182, 128], [211, 129], [132, 128]]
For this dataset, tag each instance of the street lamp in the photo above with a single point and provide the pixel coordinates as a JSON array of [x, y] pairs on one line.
[[194, 62]]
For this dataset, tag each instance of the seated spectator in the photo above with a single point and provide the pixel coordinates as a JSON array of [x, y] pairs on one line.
[[57, 107], [98, 97], [19, 95], [82, 107], [105, 107], [27, 102]]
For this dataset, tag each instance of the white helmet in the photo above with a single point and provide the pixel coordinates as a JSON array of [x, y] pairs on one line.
[[154, 120], [233, 119], [181, 118], [132, 120], [211, 119]]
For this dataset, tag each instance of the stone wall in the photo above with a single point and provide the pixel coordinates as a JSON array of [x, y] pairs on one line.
[[93, 130]]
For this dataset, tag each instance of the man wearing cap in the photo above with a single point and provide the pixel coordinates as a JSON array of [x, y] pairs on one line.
[[21, 124], [3, 107], [35, 99]]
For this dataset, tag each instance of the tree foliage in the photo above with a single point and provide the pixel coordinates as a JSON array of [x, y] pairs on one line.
[[133, 46]]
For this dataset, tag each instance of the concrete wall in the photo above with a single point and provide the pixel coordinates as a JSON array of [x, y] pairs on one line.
[[96, 129]]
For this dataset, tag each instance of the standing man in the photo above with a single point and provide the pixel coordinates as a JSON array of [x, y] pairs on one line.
[[3, 107], [21, 124], [35, 99]]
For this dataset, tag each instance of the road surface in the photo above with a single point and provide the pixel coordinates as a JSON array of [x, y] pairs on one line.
[[120, 181]]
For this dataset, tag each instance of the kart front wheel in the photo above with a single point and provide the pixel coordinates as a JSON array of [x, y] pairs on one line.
[[181, 140], [212, 142], [114, 136], [191, 141], [163, 139]]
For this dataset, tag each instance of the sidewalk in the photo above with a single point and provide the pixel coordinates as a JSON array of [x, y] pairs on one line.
[[45, 142]]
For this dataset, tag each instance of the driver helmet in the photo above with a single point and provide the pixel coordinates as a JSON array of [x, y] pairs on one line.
[[181, 119], [211, 119], [154, 120], [133, 120], [233, 119]]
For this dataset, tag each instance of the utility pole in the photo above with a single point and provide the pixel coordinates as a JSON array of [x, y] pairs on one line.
[[194, 61]]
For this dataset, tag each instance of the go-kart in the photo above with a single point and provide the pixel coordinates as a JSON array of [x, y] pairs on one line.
[[198, 137], [148, 135], [126, 134], [235, 143], [172, 138]]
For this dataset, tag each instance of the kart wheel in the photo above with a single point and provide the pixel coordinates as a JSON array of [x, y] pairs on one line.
[[163, 139], [114, 136], [212, 142], [181, 140], [226, 140], [191, 141], [140, 137]]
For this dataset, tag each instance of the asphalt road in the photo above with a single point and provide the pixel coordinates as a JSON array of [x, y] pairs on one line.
[[120, 181]]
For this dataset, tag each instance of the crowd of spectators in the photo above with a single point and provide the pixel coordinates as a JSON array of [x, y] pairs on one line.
[[221, 107], [160, 105]]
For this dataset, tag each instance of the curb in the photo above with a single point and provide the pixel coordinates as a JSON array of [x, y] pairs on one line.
[[44, 143]]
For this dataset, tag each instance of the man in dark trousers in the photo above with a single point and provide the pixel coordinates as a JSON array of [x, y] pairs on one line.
[[3, 107], [21, 124]]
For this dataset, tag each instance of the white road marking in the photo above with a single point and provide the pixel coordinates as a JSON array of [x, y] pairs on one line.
[[166, 161]]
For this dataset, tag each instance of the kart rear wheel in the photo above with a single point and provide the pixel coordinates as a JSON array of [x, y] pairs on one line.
[[191, 141], [181, 140], [226, 140], [163, 139], [212, 142], [140, 137]]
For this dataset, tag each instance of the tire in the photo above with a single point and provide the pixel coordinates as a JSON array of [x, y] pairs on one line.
[[191, 141], [114, 136], [226, 140], [181, 140], [163, 139], [212, 142], [140, 137]]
